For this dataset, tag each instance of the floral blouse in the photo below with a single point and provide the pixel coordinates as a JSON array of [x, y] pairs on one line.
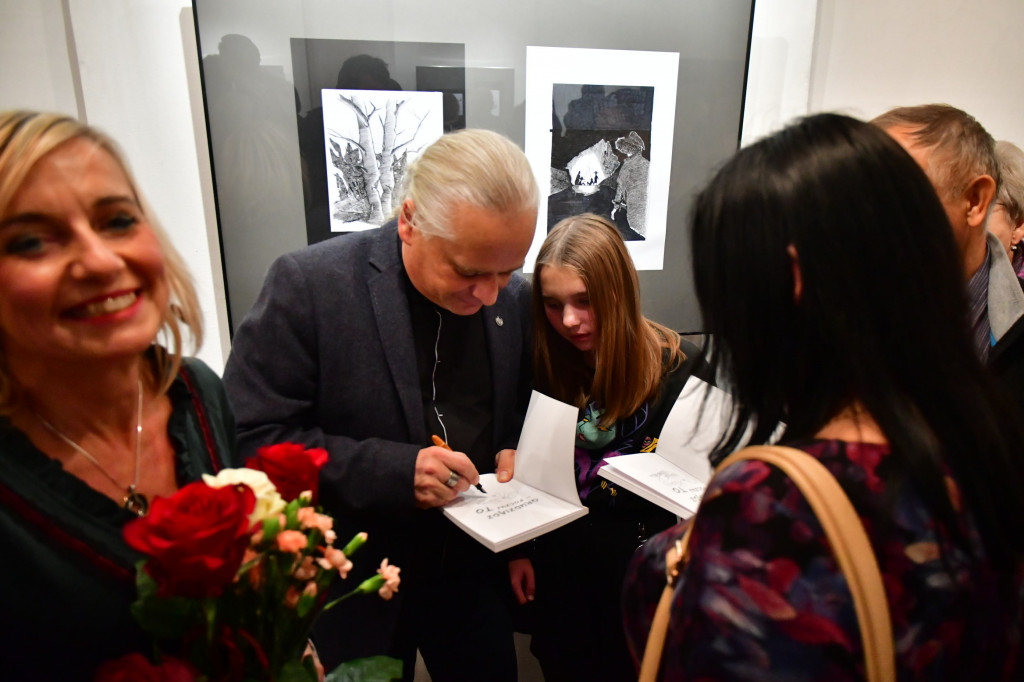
[[763, 599]]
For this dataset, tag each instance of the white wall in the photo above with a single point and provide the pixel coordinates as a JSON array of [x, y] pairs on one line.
[[872, 55], [129, 67]]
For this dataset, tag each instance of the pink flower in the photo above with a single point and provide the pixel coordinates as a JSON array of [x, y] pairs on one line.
[[310, 589], [309, 518], [291, 541], [330, 536], [391, 579], [335, 558], [306, 570], [291, 598]]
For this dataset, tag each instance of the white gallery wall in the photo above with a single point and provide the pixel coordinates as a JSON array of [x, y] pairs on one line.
[[131, 68], [872, 55]]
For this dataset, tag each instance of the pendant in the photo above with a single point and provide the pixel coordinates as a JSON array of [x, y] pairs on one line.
[[136, 503]]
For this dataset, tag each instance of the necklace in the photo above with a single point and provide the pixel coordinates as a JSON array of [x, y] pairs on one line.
[[133, 501]]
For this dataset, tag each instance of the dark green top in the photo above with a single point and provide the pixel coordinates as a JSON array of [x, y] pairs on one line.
[[66, 575]]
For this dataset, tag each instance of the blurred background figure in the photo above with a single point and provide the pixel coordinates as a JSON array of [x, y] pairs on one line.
[[251, 111], [832, 314], [1006, 220], [959, 157], [100, 410]]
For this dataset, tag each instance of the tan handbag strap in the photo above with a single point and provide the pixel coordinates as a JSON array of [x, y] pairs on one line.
[[663, 612], [849, 542]]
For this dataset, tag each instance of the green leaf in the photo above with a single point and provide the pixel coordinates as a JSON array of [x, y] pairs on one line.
[[145, 586], [291, 514], [296, 671], [373, 669], [271, 527], [306, 602], [167, 617]]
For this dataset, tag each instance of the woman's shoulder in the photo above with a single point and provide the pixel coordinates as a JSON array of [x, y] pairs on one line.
[[199, 371]]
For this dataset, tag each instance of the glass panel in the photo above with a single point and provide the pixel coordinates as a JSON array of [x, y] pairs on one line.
[[267, 63]]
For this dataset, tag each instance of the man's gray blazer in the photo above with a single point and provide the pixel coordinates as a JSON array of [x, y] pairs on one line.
[[326, 358]]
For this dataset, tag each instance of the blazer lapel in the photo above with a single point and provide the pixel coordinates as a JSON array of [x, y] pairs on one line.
[[394, 326], [501, 326]]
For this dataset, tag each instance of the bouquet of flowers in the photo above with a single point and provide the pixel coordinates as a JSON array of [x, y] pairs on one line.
[[238, 569]]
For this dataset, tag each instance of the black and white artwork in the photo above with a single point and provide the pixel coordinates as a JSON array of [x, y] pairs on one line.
[[600, 158], [371, 137], [599, 129]]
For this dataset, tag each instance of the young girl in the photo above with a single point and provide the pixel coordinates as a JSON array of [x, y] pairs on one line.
[[593, 348]]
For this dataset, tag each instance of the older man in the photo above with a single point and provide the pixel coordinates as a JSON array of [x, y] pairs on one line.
[[371, 343], [958, 155]]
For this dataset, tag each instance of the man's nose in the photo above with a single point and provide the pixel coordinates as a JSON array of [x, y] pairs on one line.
[[486, 289]]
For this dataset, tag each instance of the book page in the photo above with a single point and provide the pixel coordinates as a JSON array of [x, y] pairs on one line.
[[542, 495], [544, 458], [509, 513], [690, 434], [657, 481]]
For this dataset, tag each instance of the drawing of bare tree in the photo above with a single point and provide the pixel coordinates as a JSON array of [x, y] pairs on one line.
[[369, 167]]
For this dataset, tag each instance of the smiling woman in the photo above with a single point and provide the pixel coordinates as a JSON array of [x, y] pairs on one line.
[[96, 416]]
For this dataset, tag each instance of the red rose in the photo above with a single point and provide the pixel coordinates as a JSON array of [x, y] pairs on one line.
[[195, 538], [291, 467], [137, 668]]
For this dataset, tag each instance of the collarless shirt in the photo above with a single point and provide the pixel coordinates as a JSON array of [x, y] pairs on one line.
[[455, 377]]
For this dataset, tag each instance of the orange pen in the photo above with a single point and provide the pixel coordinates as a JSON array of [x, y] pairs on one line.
[[439, 442]]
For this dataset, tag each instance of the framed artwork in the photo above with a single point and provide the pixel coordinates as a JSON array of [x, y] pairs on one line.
[[599, 130], [372, 136]]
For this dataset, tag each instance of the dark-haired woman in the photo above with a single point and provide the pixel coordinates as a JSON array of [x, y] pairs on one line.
[[829, 277], [593, 348]]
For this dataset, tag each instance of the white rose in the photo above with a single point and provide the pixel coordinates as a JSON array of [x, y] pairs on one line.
[[268, 500]]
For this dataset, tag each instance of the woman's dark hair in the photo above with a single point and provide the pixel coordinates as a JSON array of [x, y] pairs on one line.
[[880, 320]]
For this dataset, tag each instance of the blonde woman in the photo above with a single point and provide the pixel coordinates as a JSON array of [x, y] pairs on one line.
[[98, 417]]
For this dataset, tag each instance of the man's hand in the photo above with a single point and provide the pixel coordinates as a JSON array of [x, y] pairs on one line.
[[520, 572], [504, 465], [434, 467]]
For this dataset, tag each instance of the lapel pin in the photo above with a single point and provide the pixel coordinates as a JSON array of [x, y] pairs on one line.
[[498, 321]]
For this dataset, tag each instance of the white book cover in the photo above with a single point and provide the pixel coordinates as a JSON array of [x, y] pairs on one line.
[[542, 495], [675, 475]]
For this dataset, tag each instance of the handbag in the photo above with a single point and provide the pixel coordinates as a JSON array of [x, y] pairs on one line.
[[849, 542]]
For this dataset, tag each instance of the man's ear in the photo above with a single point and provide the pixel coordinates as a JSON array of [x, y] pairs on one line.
[[405, 226], [979, 195], [798, 279]]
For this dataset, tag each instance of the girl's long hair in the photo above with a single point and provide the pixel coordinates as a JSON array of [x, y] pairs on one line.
[[632, 351]]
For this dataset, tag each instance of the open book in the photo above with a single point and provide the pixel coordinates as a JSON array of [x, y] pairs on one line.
[[541, 497], [675, 475]]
